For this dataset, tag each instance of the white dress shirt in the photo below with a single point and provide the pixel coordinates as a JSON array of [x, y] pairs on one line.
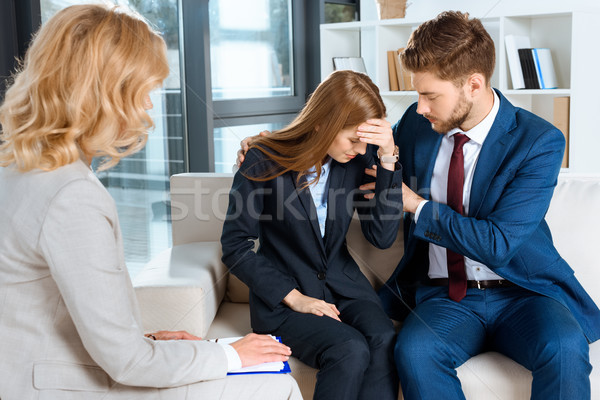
[[318, 192], [438, 266], [233, 358]]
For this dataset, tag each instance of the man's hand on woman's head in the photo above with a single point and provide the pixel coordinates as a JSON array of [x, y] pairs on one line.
[[245, 145]]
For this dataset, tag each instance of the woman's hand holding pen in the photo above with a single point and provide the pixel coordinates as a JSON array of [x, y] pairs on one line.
[[309, 305], [172, 335], [256, 349], [253, 349]]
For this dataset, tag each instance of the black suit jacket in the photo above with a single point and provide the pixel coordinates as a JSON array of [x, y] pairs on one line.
[[292, 253]]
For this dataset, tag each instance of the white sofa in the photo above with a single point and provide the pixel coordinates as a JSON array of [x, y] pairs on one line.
[[187, 286]]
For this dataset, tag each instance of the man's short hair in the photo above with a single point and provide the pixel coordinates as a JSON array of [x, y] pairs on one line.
[[452, 47]]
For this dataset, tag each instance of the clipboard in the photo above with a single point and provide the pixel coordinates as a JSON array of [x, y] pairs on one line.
[[278, 367]]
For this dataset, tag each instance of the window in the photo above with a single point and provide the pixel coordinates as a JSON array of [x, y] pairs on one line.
[[251, 49], [227, 141], [257, 68]]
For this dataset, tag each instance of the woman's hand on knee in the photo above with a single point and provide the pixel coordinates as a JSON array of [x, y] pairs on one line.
[[256, 349], [309, 305]]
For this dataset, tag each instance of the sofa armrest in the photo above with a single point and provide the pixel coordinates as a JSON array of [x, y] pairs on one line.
[[182, 288]]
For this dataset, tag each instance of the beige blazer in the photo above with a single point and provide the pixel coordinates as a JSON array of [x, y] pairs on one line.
[[69, 321]]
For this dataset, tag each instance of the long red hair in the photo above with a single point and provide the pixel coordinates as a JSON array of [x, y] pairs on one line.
[[344, 99]]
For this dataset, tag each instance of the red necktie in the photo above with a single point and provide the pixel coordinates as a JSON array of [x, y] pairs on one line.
[[457, 276]]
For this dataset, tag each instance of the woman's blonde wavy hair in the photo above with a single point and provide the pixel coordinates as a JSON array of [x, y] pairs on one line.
[[82, 87]]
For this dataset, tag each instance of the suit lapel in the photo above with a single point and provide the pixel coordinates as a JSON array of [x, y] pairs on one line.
[[427, 145], [336, 202], [494, 150], [309, 206]]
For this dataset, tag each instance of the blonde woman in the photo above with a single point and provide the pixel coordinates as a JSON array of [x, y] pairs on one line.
[[297, 191], [68, 313]]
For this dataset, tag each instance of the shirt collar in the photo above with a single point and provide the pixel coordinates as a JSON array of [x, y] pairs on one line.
[[311, 173], [480, 131]]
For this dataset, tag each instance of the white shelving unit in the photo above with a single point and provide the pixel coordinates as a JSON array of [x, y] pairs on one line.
[[570, 35]]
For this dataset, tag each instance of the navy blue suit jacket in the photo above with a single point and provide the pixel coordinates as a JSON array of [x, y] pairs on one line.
[[505, 230], [292, 253]]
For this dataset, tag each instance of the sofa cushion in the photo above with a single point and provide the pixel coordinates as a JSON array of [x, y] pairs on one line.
[[376, 264], [492, 375], [199, 206], [237, 291], [181, 288], [574, 219]]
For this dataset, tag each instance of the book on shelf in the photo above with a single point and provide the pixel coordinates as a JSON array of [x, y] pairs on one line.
[[513, 43], [528, 67], [403, 75], [536, 68], [542, 58], [392, 71], [399, 77], [561, 121], [356, 64]]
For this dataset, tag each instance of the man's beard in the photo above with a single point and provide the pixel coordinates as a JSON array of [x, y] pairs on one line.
[[458, 117]]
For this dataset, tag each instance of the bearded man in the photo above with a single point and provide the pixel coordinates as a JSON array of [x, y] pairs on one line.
[[479, 271]]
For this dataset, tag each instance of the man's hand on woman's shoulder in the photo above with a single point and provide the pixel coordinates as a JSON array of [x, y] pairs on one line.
[[245, 145]]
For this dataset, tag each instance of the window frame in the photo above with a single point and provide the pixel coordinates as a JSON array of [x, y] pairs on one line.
[[277, 104], [203, 113], [200, 112], [18, 22]]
